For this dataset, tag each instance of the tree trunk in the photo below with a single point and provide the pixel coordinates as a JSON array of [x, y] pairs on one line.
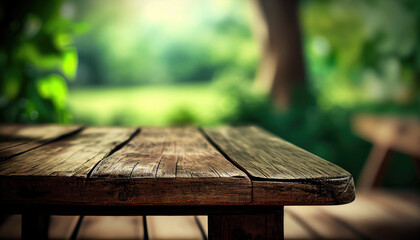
[[282, 66]]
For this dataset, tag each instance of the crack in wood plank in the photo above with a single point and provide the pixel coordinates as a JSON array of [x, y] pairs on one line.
[[118, 147]]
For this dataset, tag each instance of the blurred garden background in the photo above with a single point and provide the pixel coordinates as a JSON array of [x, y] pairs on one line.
[[189, 62]]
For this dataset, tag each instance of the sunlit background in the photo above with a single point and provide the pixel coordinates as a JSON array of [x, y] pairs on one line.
[[161, 62], [189, 62], [339, 78]]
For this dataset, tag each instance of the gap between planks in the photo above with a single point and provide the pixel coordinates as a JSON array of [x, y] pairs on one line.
[[115, 149], [254, 178], [212, 143], [334, 186], [201, 130], [78, 129]]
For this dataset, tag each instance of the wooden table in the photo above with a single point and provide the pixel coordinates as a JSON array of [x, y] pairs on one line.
[[241, 177], [388, 134]]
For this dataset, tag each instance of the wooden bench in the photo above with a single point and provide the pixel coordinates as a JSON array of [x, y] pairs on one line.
[[241, 177], [387, 134]]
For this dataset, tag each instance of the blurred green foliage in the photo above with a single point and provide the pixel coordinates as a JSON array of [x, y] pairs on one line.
[[362, 56], [163, 42], [36, 61], [364, 53]]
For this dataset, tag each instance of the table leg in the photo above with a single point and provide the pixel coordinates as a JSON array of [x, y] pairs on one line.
[[373, 173], [255, 226], [35, 226]]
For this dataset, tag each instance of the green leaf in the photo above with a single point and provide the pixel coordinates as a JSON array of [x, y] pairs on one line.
[[70, 62], [53, 88], [62, 40], [28, 52]]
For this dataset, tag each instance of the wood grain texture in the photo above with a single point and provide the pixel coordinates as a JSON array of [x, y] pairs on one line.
[[174, 166], [74, 156], [112, 166], [321, 192], [159, 166], [266, 156], [16, 138], [167, 153], [282, 173], [145, 192]]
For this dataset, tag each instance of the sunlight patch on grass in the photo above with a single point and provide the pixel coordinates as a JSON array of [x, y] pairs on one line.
[[200, 104]]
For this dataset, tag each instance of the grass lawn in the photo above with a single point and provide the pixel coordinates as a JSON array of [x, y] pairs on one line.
[[200, 104]]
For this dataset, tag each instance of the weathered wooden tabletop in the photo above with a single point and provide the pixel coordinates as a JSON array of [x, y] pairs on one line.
[[240, 176], [75, 165]]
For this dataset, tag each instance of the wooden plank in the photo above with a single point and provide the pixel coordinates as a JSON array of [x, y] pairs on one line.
[[173, 166], [281, 172], [57, 172], [74, 156], [167, 153], [401, 204], [94, 227], [372, 220], [319, 224], [158, 166], [173, 227], [16, 138], [166, 166], [265, 156], [132, 192], [320, 192]]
